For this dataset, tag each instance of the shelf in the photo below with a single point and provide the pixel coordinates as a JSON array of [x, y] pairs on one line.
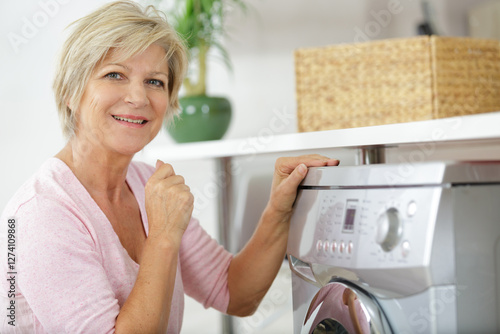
[[464, 128]]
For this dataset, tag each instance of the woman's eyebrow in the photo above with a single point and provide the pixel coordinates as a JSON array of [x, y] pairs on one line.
[[159, 73], [126, 67], [117, 64]]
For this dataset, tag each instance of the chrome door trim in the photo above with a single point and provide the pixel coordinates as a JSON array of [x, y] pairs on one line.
[[376, 319]]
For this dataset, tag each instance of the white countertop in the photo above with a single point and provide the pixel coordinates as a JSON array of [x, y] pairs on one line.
[[464, 128]]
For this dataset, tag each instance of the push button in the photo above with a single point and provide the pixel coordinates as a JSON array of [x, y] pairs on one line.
[[405, 248], [411, 209], [326, 246], [334, 246], [350, 246], [319, 246]]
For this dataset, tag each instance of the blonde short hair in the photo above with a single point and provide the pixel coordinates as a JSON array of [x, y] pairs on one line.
[[124, 25]]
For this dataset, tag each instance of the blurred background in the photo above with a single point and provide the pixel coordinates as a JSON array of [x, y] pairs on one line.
[[261, 87]]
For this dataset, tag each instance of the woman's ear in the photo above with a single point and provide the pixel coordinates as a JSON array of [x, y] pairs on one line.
[[72, 108]]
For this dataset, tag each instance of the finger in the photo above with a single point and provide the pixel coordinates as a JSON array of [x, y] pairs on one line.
[[322, 159], [333, 162], [173, 181], [287, 165], [315, 159], [181, 187], [163, 171], [159, 163], [320, 162], [290, 184], [168, 186]]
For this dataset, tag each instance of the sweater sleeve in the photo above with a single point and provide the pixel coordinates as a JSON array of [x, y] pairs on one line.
[[204, 268], [60, 270]]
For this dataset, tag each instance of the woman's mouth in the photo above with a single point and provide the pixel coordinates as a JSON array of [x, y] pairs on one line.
[[135, 121], [131, 121]]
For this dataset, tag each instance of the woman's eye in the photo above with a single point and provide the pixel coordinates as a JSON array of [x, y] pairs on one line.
[[113, 75], [156, 82]]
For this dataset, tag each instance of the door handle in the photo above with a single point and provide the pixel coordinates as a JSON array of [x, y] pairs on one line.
[[302, 269]]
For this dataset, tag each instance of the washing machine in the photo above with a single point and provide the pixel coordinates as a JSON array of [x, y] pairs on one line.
[[397, 249]]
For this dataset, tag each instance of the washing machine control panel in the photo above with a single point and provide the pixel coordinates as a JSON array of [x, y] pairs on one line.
[[372, 228]]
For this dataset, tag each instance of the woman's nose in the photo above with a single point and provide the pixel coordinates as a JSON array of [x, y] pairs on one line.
[[137, 95]]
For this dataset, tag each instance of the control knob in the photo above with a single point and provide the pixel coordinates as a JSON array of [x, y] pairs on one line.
[[389, 229]]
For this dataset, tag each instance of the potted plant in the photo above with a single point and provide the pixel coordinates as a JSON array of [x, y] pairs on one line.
[[201, 24]]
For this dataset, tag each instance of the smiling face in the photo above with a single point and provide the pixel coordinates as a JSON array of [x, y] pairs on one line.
[[124, 103]]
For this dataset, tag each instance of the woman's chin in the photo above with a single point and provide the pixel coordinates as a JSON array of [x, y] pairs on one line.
[[128, 148]]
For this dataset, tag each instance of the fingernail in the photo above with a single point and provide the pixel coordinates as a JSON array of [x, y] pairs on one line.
[[302, 169], [158, 163]]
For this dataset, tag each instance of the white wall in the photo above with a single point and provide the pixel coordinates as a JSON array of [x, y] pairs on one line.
[[30, 132]]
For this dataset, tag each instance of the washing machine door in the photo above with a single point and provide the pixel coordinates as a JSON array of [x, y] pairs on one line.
[[342, 307]]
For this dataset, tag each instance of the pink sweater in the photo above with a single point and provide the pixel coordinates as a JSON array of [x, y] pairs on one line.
[[73, 274]]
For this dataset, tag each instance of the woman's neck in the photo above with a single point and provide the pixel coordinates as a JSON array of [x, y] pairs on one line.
[[102, 173]]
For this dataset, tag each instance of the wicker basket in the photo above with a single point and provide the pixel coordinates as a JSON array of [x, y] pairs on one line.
[[395, 81]]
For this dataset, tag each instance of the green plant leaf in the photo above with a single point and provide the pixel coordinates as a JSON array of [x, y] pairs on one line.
[[189, 7], [201, 24], [206, 6]]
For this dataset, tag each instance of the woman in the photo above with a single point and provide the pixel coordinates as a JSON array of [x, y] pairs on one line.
[[106, 244]]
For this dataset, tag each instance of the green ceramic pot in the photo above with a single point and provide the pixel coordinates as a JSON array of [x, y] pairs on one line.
[[201, 118]]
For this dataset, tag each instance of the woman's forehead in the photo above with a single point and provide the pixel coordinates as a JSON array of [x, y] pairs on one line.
[[153, 56]]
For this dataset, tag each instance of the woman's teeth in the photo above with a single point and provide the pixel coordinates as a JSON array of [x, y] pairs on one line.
[[137, 121]]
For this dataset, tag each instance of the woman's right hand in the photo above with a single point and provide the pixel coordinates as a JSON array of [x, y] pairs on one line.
[[169, 204]]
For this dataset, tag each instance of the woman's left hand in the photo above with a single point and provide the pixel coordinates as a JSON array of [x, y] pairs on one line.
[[288, 173]]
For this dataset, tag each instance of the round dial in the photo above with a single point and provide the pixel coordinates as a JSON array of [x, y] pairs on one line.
[[389, 229]]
